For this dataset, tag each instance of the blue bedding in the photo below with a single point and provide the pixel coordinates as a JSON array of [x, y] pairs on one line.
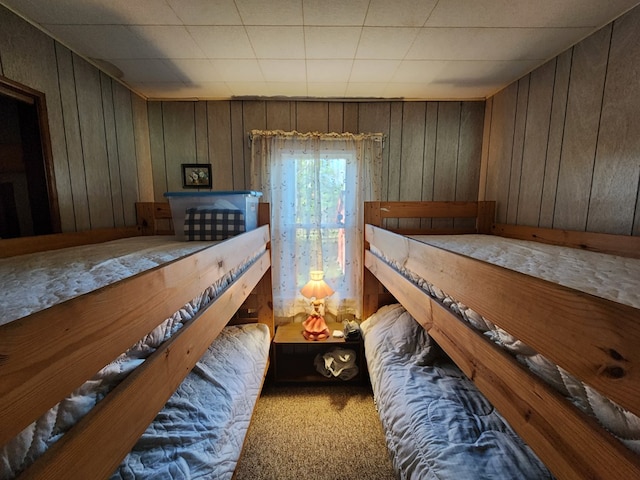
[[437, 424], [200, 431]]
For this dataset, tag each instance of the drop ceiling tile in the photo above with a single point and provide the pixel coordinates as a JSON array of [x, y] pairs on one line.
[[273, 12], [365, 90], [103, 41], [195, 70], [485, 72], [97, 12], [418, 71], [286, 89], [437, 92], [326, 90], [331, 42], [328, 71], [399, 13], [147, 70], [222, 41], [491, 43], [525, 13], [180, 91], [237, 70], [206, 12], [284, 70], [373, 71], [171, 41], [335, 12], [277, 42], [385, 43], [249, 89]]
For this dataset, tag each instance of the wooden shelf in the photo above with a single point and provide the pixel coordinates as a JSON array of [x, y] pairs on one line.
[[293, 356]]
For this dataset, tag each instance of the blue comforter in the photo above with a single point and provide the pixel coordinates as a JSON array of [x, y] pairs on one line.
[[437, 424], [200, 431]]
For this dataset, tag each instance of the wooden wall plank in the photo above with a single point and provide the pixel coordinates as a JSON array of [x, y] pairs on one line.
[[500, 149], [144, 167], [581, 130], [430, 143], [617, 169], [279, 116], [254, 118], [178, 123], [219, 139], [469, 151], [517, 151], [201, 131], [112, 149], [392, 176], [412, 165], [157, 145], [336, 117], [536, 135], [124, 129], [486, 138], [238, 144], [556, 135], [312, 117], [448, 134], [93, 140], [351, 118]]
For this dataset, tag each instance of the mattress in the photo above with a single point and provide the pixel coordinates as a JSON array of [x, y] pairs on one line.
[[200, 431], [611, 277], [65, 273], [437, 424], [39, 280]]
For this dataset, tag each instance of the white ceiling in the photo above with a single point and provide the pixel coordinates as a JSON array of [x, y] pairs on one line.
[[410, 49]]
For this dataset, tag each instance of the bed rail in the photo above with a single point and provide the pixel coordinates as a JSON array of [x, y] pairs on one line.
[[592, 338]]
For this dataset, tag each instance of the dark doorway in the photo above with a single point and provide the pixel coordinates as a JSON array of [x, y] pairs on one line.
[[28, 201]]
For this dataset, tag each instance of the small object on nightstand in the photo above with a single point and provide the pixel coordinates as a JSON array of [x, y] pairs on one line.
[[338, 334]]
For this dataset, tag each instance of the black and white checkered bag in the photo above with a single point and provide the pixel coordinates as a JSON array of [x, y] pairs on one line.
[[212, 224]]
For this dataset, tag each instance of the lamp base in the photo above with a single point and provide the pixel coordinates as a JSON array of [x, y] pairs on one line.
[[315, 328]]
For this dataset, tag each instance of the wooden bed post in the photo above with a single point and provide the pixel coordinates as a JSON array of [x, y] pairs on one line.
[[486, 216]]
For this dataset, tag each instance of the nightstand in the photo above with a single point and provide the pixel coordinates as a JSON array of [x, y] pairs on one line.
[[293, 356]]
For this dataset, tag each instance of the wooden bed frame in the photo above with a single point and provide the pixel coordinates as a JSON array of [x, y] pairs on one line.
[[594, 339], [45, 356]]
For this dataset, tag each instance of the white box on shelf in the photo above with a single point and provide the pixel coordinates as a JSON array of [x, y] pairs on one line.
[[244, 200]]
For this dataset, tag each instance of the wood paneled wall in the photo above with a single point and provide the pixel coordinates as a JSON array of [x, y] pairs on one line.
[[562, 146], [99, 130], [432, 150]]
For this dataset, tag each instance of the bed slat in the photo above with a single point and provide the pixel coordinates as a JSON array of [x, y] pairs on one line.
[[569, 442]]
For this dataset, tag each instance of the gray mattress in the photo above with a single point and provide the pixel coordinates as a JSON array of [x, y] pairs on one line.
[[437, 424]]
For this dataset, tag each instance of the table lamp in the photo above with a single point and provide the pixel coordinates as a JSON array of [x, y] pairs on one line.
[[315, 328]]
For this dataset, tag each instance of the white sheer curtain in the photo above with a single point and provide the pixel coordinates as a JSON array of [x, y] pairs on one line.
[[316, 184]]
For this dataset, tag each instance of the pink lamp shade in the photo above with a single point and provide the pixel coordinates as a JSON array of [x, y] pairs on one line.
[[316, 287]]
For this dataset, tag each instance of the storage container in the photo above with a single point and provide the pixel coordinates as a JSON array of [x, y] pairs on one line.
[[244, 200]]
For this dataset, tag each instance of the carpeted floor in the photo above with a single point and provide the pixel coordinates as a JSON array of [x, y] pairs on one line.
[[319, 432]]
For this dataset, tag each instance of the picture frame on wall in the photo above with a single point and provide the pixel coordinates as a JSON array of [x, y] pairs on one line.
[[196, 175]]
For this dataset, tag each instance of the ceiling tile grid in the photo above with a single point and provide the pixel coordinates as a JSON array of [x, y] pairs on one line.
[[360, 49]]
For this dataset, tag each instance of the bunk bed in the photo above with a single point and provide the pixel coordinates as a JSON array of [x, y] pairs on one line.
[[108, 382], [534, 347]]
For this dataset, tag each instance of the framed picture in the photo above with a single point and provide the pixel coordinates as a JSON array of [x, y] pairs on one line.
[[196, 175]]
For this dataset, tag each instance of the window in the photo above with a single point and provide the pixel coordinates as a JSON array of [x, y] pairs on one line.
[[316, 185]]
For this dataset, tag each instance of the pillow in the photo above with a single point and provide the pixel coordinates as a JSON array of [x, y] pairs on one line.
[[394, 329], [212, 223]]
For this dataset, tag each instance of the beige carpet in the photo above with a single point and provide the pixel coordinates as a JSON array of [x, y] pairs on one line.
[[319, 432]]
